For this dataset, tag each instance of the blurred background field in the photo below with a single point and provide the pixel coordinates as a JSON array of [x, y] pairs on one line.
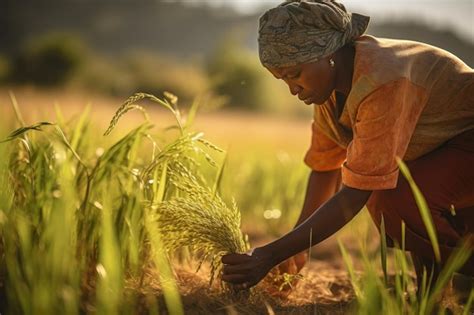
[[192, 48], [70, 54]]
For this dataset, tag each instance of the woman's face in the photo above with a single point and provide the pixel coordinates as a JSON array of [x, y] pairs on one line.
[[313, 82]]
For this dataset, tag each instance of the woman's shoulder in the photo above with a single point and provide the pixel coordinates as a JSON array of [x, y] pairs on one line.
[[406, 58], [369, 43], [379, 61]]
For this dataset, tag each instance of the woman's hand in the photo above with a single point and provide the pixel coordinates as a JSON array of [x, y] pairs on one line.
[[246, 270]]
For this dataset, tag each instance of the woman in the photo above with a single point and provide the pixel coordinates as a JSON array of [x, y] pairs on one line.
[[375, 100]]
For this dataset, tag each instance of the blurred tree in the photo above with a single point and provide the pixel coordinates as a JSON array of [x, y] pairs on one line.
[[157, 73], [237, 73], [49, 60], [143, 71]]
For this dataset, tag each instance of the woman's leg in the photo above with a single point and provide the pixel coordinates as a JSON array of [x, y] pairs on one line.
[[445, 178]]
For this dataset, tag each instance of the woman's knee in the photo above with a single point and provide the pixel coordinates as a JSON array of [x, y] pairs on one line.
[[397, 207], [392, 201]]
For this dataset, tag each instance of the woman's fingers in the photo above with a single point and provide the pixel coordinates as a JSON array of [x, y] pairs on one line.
[[235, 259], [241, 269], [235, 278], [245, 270]]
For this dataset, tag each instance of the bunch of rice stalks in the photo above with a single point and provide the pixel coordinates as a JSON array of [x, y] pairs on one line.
[[187, 211], [202, 222]]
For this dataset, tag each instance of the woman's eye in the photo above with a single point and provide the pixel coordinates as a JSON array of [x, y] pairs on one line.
[[294, 76]]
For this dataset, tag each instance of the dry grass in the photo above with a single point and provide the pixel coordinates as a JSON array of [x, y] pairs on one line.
[[233, 130], [324, 290]]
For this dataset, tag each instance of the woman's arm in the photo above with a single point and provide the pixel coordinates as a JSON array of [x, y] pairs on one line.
[[324, 222], [321, 186], [327, 220]]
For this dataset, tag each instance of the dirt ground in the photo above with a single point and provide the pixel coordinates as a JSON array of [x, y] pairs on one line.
[[323, 290]]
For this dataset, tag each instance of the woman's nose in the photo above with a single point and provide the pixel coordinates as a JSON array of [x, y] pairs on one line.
[[294, 89]]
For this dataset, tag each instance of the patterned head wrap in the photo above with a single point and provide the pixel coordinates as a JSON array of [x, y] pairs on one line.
[[303, 31]]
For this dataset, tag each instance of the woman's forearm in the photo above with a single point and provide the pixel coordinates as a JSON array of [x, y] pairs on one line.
[[320, 188], [324, 222]]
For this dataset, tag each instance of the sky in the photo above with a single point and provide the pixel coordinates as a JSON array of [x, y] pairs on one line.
[[457, 15]]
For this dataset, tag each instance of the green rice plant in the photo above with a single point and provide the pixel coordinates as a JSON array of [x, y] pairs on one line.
[[423, 207], [186, 209], [455, 262], [110, 284], [402, 279], [202, 222], [469, 303], [43, 283], [376, 297], [350, 268], [129, 105], [102, 216], [170, 290], [21, 131], [383, 250]]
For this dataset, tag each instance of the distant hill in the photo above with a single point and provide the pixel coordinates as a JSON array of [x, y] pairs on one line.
[[115, 26]]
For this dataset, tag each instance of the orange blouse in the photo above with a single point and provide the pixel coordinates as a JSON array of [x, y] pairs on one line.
[[407, 99]]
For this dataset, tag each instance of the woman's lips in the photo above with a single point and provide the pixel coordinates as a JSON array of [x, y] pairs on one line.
[[308, 101]]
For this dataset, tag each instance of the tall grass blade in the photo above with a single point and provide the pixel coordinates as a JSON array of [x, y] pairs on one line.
[[455, 262], [109, 291], [383, 250], [220, 172], [23, 130], [129, 105], [192, 113], [350, 267], [160, 193], [59, 114], [469, 304], [78, 129], [424, 210], [65, 141], [160, 256], [16, 109]]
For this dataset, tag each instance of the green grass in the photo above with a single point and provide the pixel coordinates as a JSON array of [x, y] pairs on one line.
[[375, 296], [79, 222]]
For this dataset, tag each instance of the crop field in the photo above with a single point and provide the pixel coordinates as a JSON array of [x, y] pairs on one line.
[[126, 207]]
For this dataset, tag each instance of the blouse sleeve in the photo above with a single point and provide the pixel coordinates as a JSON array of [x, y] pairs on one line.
[[324, 154], [384, 124]]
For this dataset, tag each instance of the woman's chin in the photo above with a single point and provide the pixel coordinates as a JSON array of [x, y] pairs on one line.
[[315, 101], [318, 102], [321, 101]]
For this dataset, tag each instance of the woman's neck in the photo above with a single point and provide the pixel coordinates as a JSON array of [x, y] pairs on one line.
[[344, 59]]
